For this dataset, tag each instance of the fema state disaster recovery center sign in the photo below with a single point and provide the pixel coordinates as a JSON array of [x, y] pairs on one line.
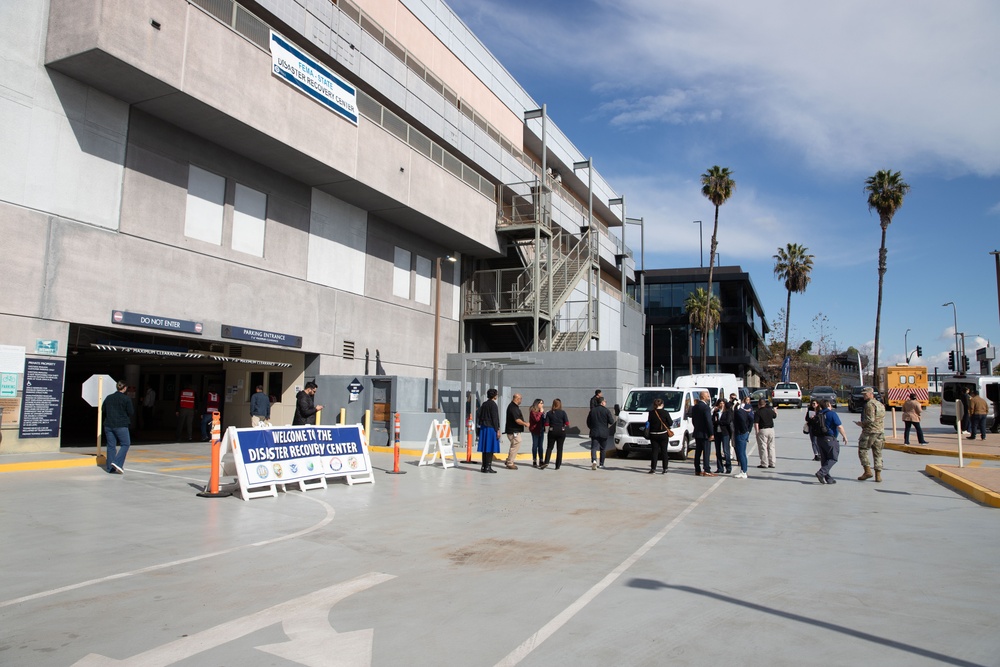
[[309, 77], [266, 457]]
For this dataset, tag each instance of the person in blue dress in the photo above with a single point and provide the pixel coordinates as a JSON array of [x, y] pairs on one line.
[[489, 425]]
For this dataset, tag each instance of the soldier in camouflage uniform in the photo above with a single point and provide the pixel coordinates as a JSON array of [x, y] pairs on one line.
[[872, 434]]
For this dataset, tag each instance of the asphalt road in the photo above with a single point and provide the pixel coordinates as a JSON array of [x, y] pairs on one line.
[[453, 567]]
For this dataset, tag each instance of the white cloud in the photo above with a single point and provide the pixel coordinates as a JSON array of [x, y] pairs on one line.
[[850, 85]]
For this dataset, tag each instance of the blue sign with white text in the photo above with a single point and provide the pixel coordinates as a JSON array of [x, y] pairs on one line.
[[155, 322], [260, 336]]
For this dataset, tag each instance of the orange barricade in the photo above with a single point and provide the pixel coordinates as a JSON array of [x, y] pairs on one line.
[[470, 429], [395, 450], [213, 481]]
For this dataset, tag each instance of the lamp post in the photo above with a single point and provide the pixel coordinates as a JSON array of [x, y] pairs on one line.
[[588, 164], [954, 310], [701, 243], [437, 328], [540, 113], [996, 256], [906, 346], [620, 201]]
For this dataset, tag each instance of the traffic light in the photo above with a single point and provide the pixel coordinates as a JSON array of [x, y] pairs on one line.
[[965, 363], [951, 360], [920, 351]]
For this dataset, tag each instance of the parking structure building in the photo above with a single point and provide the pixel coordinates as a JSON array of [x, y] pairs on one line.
[[206, 194]]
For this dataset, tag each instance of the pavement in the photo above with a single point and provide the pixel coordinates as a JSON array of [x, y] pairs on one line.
[[539, 568], [981, 484]]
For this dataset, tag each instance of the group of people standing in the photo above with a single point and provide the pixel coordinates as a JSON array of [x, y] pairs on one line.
[[600, 420], [974, 413], [730, 423]]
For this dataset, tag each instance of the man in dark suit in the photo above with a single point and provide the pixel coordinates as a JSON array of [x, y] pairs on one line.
[[701, 420], [599, 421]]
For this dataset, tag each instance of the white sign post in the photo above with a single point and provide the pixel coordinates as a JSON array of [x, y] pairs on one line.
[[95, 389], [439, 441]]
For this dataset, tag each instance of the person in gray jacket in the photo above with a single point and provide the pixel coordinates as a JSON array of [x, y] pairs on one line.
[[599, 421]]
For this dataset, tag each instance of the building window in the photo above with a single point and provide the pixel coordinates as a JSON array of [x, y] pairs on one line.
[[205, 209], [249, 218], [422, 286], [401, 273]]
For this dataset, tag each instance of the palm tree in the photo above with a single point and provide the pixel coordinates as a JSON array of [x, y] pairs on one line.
[[717, 185], [793, 265], [886, 190], [704, 314]]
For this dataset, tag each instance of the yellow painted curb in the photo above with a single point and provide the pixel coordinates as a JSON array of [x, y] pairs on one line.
[[971, 489], [48, 465], [930, 451]]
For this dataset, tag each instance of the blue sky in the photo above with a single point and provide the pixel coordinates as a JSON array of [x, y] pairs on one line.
[[802, 102]]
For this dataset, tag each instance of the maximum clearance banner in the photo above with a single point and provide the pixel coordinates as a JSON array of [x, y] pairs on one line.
[[290, 454], [300, 71]]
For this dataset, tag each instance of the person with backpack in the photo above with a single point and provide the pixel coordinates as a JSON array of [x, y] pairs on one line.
[[810, 415], [826, 425], [557, 421]]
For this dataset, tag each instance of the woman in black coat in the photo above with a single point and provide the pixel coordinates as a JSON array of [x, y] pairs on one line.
[[659, 434], [722, 420], [558, 421]]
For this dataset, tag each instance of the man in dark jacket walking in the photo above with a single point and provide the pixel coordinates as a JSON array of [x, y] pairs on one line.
[[704, 433], [118, 414], [305, 408], [599, 421]]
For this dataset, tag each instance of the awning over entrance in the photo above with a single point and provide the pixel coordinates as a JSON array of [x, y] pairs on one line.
[[187, 355]]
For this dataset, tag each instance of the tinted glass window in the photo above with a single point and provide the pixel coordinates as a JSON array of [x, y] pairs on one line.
[[638, 401]]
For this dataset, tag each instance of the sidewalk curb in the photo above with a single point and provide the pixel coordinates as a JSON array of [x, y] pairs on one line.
[[971, 489], [930, 451]]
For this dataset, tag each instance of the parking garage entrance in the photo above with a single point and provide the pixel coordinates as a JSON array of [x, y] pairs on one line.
[[165, 365]]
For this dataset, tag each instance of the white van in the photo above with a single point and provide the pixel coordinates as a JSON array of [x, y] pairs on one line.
[[718, 384], [988, 387], [635, 411]]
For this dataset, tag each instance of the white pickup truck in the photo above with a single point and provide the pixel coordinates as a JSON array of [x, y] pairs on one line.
[[786, 393]]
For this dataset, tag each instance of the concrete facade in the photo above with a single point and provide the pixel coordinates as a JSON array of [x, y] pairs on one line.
[[154, 165]]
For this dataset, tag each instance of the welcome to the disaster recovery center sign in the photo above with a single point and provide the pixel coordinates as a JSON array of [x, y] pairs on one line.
[[267, 457], [308, 76]]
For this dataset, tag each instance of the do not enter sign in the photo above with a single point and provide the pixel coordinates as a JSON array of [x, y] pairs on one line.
[[97, 388]]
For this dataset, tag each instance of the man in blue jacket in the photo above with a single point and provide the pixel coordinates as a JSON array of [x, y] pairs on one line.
[[826, 427]]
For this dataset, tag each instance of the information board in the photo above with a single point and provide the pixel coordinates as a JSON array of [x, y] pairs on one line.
[[41, 398], [268, 457]]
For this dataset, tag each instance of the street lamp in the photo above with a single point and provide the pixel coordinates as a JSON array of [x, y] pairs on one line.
[[996, 256], [620, 201], [954, 310], [437, 327], [701, 243], [540, 113], [588, 164]]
